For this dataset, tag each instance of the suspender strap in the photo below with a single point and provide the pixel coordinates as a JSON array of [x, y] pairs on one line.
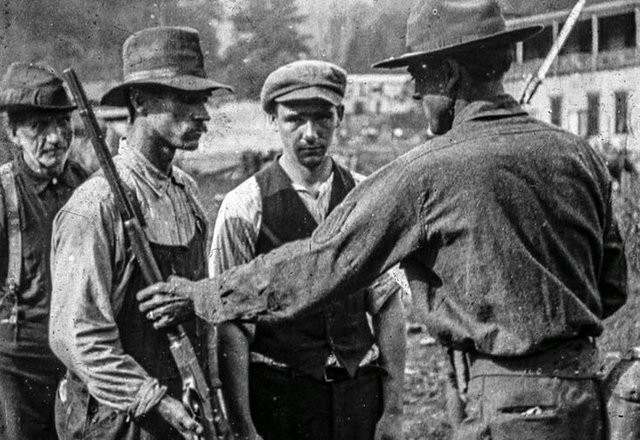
[[14, 234]]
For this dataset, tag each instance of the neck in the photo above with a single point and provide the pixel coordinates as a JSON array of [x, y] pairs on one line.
[[470, 92], [306, 176], [159, 153]]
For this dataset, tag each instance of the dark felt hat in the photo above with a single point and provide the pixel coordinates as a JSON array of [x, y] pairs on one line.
[[166, 56], [28, 86], [436, 28], [304, 80]]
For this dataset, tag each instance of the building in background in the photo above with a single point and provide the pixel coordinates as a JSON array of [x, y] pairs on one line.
[[593, 87], [378, 94]]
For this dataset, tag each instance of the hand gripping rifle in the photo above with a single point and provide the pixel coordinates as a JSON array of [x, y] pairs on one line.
[[207, 409], [534, 81]]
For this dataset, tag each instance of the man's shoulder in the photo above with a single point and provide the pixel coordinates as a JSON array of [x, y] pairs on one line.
[[243, 197], [90, 197]]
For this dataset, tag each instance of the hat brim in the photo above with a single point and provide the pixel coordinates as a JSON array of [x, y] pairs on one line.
[[117, 96], [36, 108], [505, 37], [310, 94]]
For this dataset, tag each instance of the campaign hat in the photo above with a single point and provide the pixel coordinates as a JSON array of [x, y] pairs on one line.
[[166, 56], [437, 28], [304, 80], [31, 86]]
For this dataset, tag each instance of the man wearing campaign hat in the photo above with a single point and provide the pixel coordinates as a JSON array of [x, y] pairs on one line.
[[504, 227], [33, 187], [121, 381], [327, 375]]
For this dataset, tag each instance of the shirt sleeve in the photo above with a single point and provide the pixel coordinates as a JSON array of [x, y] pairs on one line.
[[236, 229], [368, 233], [380, 291], [88, 254]]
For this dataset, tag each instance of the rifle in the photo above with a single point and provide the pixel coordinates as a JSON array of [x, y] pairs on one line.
[[534, 81], [207, 409]]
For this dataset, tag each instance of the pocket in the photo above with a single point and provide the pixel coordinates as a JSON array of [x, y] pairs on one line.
[[70, 410]]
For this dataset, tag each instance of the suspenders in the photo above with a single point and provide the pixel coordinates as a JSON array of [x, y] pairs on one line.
[[8, 292]]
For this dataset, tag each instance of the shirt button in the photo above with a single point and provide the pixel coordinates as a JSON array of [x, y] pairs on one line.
[[54, 180]]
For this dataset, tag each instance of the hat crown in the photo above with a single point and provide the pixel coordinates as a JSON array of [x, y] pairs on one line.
[[161, 52], [301, 75], [438, 24], [35, 86]]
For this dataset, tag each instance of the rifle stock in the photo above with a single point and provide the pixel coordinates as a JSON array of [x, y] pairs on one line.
[[196, 395]]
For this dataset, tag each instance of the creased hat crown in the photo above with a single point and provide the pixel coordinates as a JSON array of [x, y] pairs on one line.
[[439, 27]]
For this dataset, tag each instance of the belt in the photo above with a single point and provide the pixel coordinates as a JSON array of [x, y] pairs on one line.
[[330, 374]]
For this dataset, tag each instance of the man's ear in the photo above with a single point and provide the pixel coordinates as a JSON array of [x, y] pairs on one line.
[[453, 75], [340, 111], [138, 101], [12, 132]]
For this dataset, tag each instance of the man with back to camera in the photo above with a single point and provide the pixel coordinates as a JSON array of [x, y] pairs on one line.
[[33, 187], [504, 227], [122, 381], [323, 376]]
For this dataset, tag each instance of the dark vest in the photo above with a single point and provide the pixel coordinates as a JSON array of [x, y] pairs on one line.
[[149, 347], [342, 327]]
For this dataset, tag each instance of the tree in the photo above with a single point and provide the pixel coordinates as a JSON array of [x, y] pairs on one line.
[[267, 37]]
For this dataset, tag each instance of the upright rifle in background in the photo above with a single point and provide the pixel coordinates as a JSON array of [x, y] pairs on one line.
[[534, 81], [207, 409]]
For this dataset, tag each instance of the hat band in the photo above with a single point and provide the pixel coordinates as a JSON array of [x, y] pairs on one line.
[[165, 72]]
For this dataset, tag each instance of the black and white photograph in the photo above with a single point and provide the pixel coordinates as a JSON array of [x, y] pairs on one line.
[[320, 219]]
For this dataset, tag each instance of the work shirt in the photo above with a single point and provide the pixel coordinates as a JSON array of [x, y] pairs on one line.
[[39, 199], [91, 266], [504, 226]]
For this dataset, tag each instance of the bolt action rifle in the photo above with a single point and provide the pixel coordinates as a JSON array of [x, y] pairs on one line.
[[534, 81], [207, 409]]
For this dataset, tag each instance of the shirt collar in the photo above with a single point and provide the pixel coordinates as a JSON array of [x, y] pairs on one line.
[[155, 179], [38, 182], [502, 106]]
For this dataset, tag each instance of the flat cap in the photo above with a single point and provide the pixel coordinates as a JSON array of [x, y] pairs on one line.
[[304, 80], [30, 86]]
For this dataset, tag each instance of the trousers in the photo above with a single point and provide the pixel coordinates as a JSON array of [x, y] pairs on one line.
[[286, 407], [555, 395], [27, 395]]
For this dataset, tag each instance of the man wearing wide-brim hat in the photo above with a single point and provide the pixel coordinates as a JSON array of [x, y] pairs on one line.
[[122, 382], [503, 225], [33, 187]]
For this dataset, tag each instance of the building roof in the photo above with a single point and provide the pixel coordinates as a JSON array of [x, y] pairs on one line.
[[525, 8]]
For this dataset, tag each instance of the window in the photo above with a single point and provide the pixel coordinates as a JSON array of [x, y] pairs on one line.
[[539, 45], [579, 40], [622, 99], [556, 110], [593, 114], [617, 32]]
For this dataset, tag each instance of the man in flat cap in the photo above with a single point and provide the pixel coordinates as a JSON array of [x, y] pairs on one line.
[[33, 187], [122, 382], [326, 375], [503, 225]]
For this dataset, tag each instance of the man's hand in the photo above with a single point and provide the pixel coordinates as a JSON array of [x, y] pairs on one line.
[[163, 305], [389, 427], [174, 413]]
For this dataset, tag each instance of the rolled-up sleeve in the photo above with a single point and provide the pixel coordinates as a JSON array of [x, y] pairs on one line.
[[378, 224], [88, 258]]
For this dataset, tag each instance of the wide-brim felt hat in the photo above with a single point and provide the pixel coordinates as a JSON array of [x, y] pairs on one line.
[[33, 87], [162, 56], [437, 28]]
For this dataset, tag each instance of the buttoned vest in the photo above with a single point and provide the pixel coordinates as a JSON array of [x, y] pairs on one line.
[[341, 327]]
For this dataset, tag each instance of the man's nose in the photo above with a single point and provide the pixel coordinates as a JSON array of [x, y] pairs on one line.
[[310, 132], [55, 133], [200, 113]]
